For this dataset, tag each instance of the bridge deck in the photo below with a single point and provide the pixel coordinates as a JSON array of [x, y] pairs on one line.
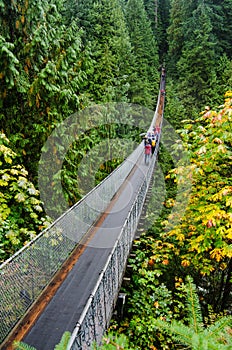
[[64, 309]]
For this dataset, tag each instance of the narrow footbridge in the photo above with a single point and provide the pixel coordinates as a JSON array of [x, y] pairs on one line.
[[69, 277]]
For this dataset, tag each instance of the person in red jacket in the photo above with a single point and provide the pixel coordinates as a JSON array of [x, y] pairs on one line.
[[147, 151]]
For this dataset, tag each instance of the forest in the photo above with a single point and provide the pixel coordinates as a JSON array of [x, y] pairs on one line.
[[60, 57]]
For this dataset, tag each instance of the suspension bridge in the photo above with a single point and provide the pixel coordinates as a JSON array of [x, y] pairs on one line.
[[69, 277]]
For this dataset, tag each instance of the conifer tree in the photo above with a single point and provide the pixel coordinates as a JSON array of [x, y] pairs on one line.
[[41, 73], [221, 17], [223, 79], [105, 29], [195, 67], [196, 336], [158, 14], [226, 37], [145, 54], [81, 11], [112, 51], [179, 16]]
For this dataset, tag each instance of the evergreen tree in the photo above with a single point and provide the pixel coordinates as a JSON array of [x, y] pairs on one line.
[[112, 52], [223, 81], [196, 336], [183, 24], [221, 17], [145, 81], [226, 38], [105, 29], [82, 12], [158, 14], [180, 12], [42, 72], [195, 68]]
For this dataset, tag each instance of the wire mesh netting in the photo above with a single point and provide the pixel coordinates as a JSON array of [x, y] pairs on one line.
[[98, 311], [28, 272]]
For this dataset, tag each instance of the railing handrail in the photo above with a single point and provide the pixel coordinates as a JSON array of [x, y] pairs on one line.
[[39, 252], [34, 265], [110, 257], [87, 308], [84, 198]]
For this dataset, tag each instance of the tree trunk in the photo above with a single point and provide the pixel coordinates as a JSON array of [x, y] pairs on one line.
[[227, 288], [156, 13]]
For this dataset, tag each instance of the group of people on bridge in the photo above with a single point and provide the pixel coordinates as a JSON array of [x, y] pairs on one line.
[[150, 141]]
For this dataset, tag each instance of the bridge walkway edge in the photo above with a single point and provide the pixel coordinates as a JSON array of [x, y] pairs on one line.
[[71, 296]]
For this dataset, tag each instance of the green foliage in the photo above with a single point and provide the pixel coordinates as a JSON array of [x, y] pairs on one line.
[[53, 68], [106, 168], [174, 108], [162, 326], [106, 32], [221, 16], [57, 69], [109, 342], [149, 298], [46, 67], [8, 65], [195, 88], [113, 57], [207, 230], [176, 33], [223, 75], [22, 215], [156, 294], [22, 346], [158, 14], [195, 335], [198, 37], [64, 341], [93, 141], [88, 142], [61, 346], [113, 341], [145, 67]]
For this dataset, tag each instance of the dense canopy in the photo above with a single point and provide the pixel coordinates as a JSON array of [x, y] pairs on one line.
[[61, 57]]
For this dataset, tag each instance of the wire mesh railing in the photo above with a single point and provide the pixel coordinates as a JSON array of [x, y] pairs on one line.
[[28, 272], [25, 275], [96, 316]]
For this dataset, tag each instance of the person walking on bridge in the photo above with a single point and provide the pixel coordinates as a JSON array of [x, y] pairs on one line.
[[153, 144], [147, 151]]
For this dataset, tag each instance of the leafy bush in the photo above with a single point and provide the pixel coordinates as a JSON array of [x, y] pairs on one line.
[[21, 212]]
